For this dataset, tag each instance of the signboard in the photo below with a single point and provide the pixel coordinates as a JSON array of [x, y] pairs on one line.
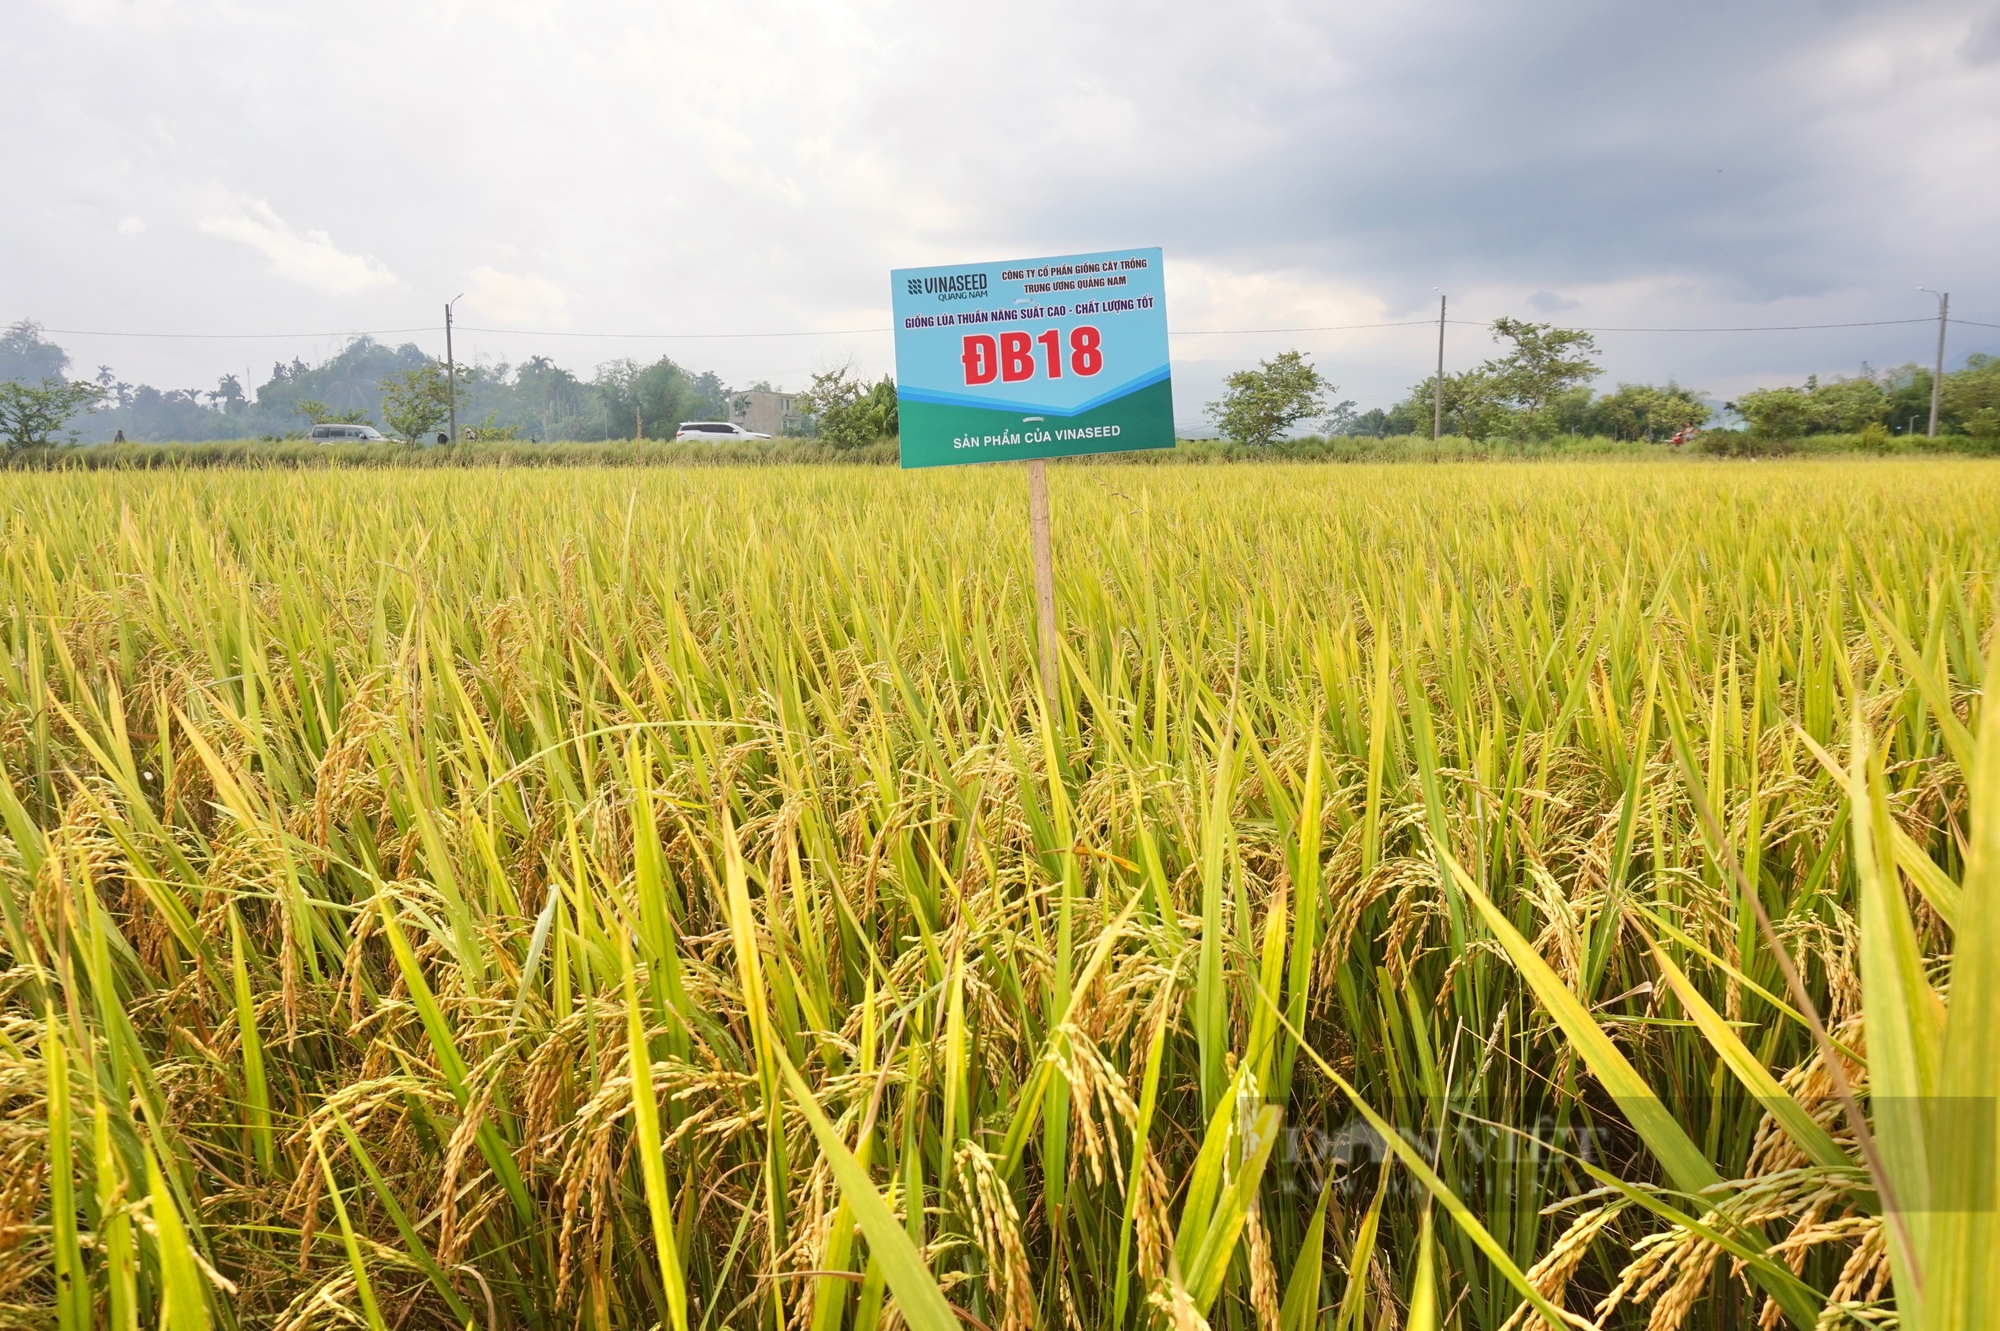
[[1032, 358]]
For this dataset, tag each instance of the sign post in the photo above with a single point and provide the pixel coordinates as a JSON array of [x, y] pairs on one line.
[[1030, 359]]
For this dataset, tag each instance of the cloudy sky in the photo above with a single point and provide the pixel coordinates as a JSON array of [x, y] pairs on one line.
[[657, 167]]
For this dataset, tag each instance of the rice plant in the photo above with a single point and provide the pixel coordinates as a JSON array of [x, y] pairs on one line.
[[1475, 897]]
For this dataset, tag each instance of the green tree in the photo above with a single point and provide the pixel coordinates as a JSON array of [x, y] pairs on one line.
[[318, 413], [1373, 423], [228, 395], [1644, 411], [653, 400], [31, 415], [416, 401], [1261, 404], [849, 413], [1339, 418], [345, 385], [1545, 362], [1972, 398], [1839, 406], [885, 417], [1775, 413], [28, 357], [1472, 407], [1908, 405], [491, 430], [1984, 427], [550, 398], [1848, 406]]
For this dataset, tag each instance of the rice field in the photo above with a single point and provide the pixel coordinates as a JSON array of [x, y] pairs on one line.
[[1473, 896]]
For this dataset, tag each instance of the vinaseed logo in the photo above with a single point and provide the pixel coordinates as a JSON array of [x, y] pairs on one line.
[[951, 286]]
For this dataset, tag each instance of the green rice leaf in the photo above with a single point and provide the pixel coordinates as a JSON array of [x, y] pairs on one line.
[[1905, 1024], [1801, 1127], [646, 1131], [918, 1297], [72, 1284], [1423, 1288], [1300, 1309], [1652, 1120], [183, 1291], [1962, 1254], [363, 1287]]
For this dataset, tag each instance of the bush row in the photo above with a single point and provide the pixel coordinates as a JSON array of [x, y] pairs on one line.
[[779, 452]]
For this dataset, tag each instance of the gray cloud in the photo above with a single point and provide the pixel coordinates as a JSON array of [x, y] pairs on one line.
[[628, 166]]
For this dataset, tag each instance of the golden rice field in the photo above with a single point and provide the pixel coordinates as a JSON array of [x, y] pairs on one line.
[[621, 899]]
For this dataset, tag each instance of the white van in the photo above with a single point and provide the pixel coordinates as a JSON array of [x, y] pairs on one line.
[[327, 434]]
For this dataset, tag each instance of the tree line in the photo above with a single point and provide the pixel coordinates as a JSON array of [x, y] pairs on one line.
[[1538, 387], [398, 389]]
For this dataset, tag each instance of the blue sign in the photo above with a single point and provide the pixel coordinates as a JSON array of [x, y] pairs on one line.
[[1032, 358]]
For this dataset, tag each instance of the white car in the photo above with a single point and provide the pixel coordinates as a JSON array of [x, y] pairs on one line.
[[714, 432], [325, 434]]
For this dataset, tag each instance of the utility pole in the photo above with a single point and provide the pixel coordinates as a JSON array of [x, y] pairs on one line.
[[451, 367], [1437, 402], [1937, 379]]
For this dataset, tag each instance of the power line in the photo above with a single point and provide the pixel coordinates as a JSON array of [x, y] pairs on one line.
[[1487, 323], [1768, 328], [432, 328], [245, 337], [812, 332], [550, 332], [1321, 328], [857, 332]]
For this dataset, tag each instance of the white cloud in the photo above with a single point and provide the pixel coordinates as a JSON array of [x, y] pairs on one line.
[[1207, 295], [130, 226], [310, 259], [517, 298]]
